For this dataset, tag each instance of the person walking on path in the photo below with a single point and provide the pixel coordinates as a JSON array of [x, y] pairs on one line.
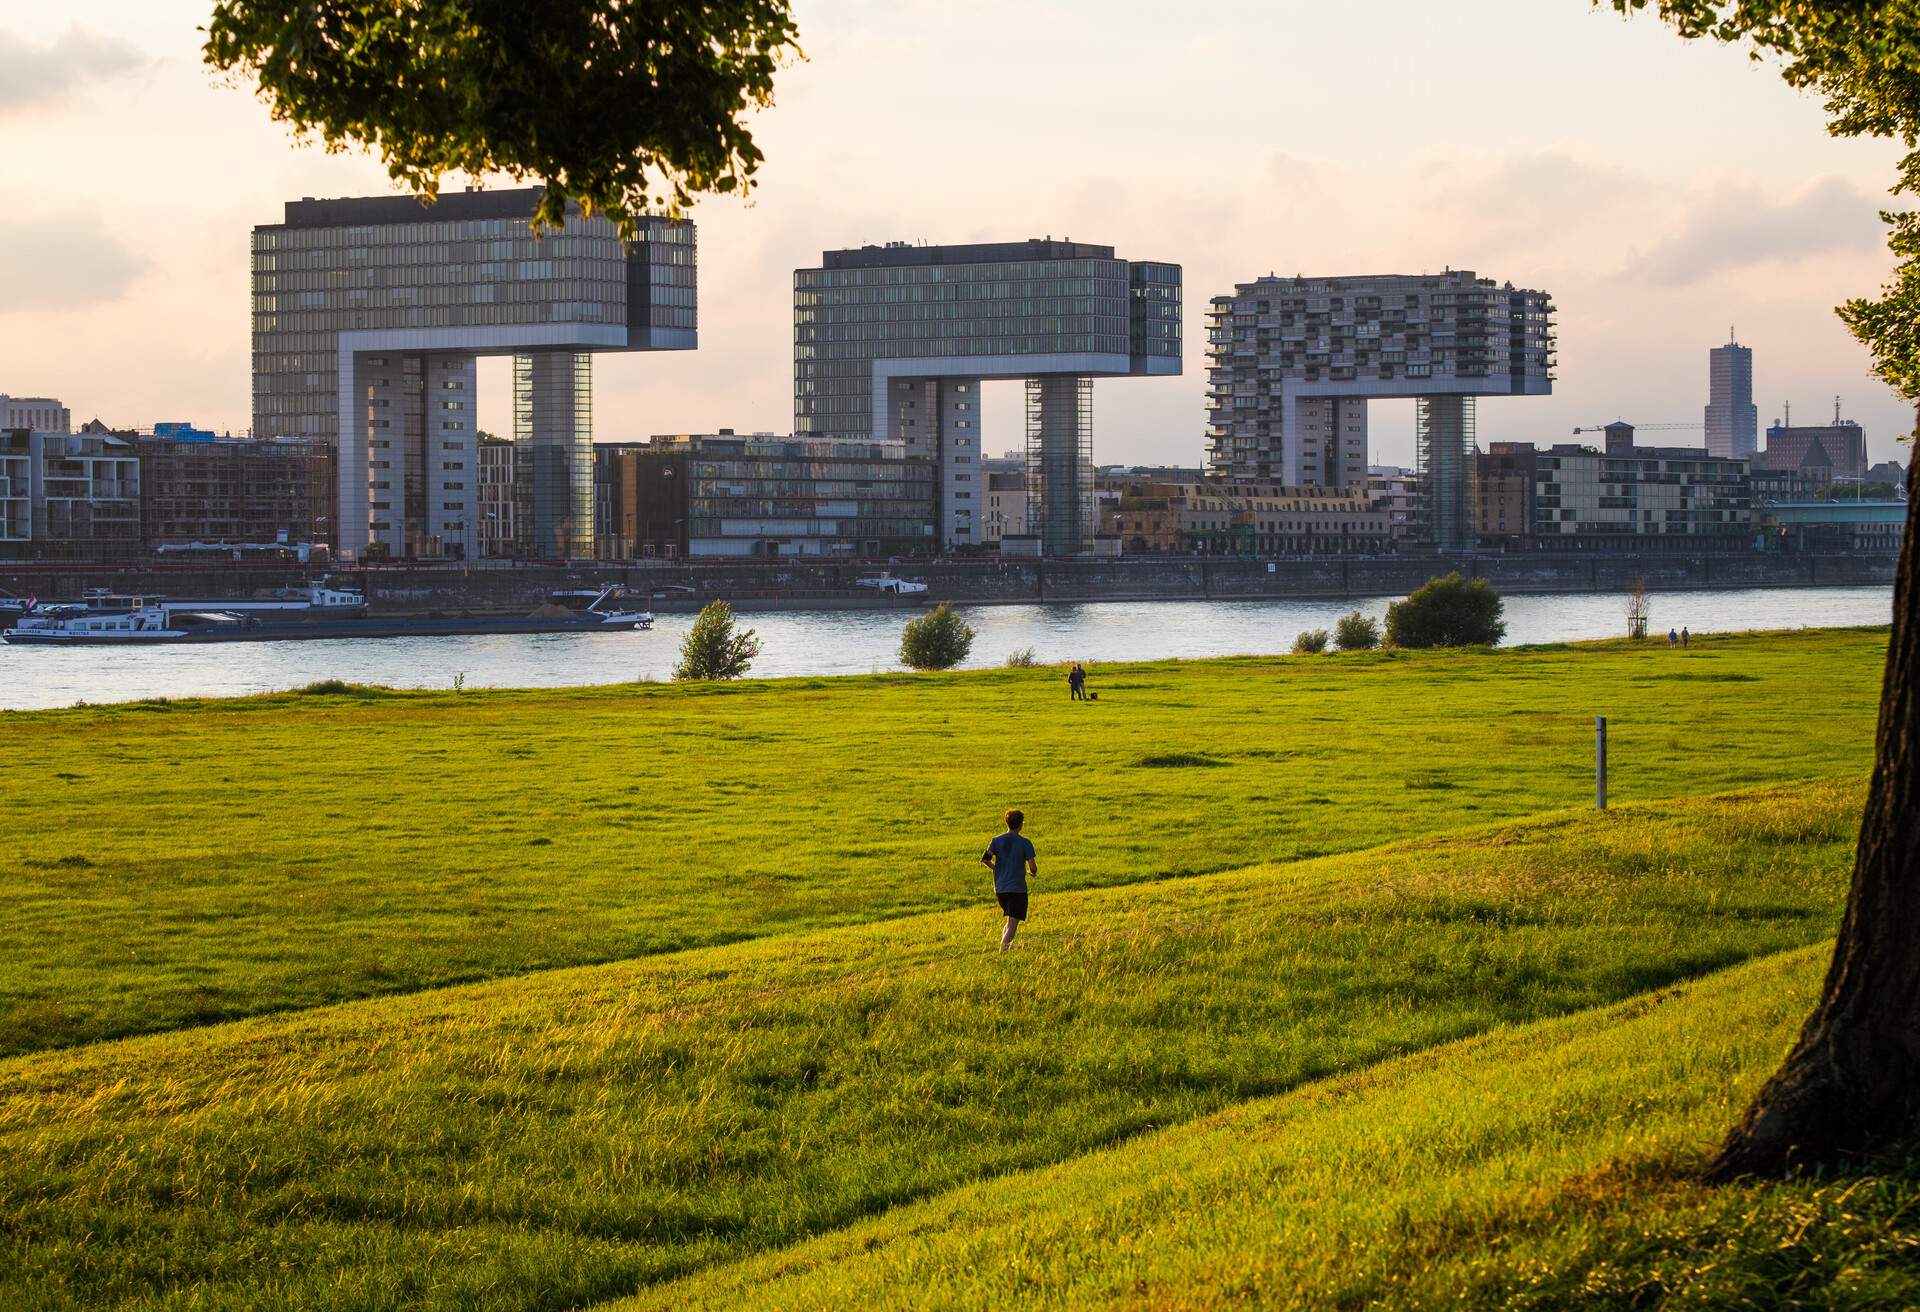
[[1077, 683], [1011, 858], [1685, 637]]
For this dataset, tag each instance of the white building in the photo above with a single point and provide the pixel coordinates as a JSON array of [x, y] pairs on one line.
[[43, 414], [68, 496]]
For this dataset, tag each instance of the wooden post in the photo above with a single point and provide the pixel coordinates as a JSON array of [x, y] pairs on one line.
[[1600, 762]]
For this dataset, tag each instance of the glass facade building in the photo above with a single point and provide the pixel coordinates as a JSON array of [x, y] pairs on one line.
[[368, 314], [892, 343], [732, 496]]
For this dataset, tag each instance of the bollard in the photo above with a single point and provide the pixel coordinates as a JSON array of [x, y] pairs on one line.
[[1600, 762]]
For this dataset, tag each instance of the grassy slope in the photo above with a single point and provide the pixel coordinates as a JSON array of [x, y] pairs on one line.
[[1539, 1168], [546, 1141], [183, 863]]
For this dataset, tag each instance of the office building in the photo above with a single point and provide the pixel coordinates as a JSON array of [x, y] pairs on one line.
[[42, 414], [1732, 421], [1293, 362], [1503, 493], [1228, 518], [207, 491], [1397, 491], [1839, 448], [369, 313], [893, 343], [1006, 506], [761, 496], [68, 496], [1867, 527]]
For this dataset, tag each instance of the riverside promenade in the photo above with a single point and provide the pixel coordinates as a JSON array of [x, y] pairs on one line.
[[502, 586]]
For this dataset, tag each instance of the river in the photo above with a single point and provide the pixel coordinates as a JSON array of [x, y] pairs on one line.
[[853, 642]]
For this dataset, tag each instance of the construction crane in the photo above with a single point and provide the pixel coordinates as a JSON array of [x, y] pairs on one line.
[[1677, 427]]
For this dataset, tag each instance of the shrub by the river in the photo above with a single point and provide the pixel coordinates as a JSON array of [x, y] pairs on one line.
[[1356, 632], [938, 640], [713, 649], [1310, 643], [1447, 612]]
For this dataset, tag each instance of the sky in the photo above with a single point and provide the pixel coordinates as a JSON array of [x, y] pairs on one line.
[[1665, 192]]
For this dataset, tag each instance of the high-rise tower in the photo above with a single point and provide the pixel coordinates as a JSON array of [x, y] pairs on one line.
[[1733, 424]]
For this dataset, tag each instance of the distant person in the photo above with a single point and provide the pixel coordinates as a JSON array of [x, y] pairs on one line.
[[1077, 683], [1685, 637], [1673, 638], [1011, 858]]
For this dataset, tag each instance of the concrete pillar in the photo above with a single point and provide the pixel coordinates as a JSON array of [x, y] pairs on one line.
[[1060, 499], [1447, 454], [553, 416]]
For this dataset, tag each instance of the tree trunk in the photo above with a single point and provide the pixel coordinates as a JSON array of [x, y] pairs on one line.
[[1851, 1085]]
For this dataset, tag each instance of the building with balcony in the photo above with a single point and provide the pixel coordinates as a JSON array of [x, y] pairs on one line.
[[68, 496], [1656, 496], [1293, 362], [369, 314], [506, 497], [209, 491], [892, 343], [761, 496]]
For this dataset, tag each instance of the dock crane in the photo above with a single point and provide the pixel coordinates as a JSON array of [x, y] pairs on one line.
[[1677, 427]]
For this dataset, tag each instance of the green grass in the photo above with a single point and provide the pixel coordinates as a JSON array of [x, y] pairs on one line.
[[1546, 1167], [549, 1141], [179, 863]]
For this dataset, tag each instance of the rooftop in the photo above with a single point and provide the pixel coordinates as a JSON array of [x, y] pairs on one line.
[[453, 206], [900, 254]]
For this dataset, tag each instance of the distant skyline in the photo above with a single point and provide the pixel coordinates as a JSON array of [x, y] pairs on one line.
[[1661, 190]]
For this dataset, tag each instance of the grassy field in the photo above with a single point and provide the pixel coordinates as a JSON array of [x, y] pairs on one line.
[[546, 1142], [1338, 993], [171, 864], [1547, 1167]]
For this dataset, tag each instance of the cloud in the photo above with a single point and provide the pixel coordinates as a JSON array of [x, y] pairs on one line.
[[66, 262], [33, 75], [1739, 227]]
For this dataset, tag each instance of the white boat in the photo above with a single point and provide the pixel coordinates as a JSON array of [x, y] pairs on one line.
[[612, 604], [81, 626], [321, 601], [889, 584]]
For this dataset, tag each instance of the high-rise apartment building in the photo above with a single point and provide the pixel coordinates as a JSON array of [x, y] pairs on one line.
[[1292, 363], [369, 313], [893, 342], [68, 496], [1733, 424]]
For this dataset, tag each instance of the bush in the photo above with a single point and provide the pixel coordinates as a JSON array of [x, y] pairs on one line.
[[938, 640], [1021, 658], [1310, 643], [1356, 632], [712, 649], [1447, 612]]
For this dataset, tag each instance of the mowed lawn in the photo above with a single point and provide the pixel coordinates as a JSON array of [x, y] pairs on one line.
[[169, 864], [578, 1135]]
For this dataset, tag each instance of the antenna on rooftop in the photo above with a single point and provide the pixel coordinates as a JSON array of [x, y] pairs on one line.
[[1836, 412], [1789, 420]]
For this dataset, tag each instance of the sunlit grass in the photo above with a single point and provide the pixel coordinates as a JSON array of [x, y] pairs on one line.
[[186, 862]]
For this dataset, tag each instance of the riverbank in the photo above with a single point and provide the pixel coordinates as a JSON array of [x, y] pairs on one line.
[[504, 587]]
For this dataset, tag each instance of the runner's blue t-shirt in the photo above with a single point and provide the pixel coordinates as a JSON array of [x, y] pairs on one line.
[[1010, 853]]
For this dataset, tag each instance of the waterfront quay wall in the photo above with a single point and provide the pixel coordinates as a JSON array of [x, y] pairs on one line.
[[491, 586]]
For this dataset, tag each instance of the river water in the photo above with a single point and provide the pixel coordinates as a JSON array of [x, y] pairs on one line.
[[853, 642]]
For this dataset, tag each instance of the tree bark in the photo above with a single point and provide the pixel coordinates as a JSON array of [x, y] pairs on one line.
[[1851, 1085]]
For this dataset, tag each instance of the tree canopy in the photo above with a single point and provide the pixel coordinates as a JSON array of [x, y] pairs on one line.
[[623, 108]]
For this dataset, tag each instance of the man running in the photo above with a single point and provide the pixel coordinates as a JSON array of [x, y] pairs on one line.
[[1011, 858]]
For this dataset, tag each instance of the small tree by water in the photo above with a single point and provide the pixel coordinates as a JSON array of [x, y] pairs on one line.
[[1310, 643], [1447, 612], [1356, 632], [1638, 608], [713, 649], [938, 640]]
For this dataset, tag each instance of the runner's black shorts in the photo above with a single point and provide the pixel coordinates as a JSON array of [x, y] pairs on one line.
[[1013, 904]]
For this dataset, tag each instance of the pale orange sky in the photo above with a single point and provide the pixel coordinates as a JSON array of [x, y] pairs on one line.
[[1662, 191]]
